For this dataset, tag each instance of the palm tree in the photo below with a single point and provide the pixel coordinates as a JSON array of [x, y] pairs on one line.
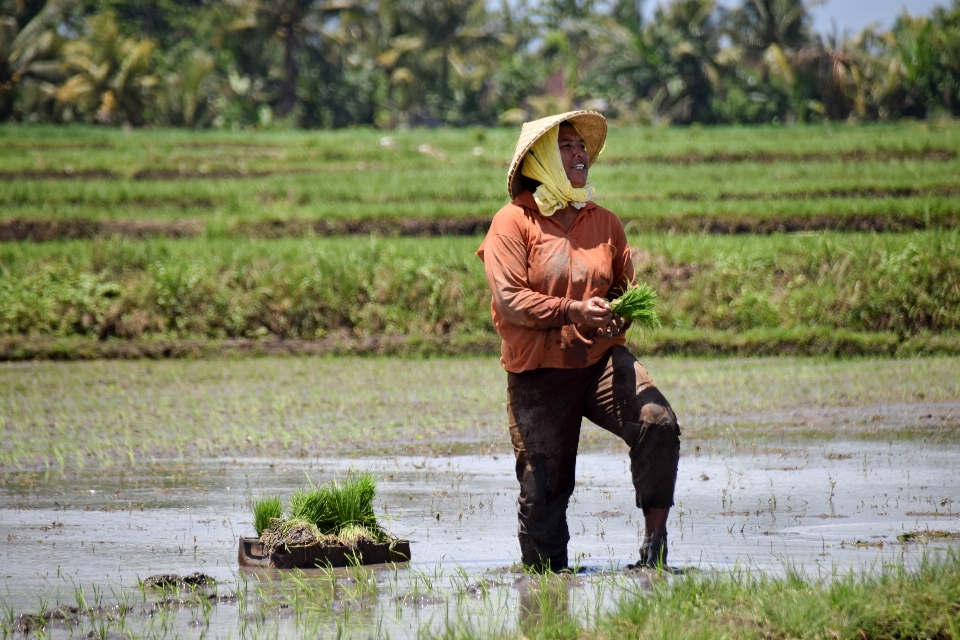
[[915, 47], [437, 54], [29, 54], [670, 66], [759, 24], [290, 22], [776, 41], [108, 74]]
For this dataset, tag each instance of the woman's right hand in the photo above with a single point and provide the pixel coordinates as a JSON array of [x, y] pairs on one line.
[[593, 312]]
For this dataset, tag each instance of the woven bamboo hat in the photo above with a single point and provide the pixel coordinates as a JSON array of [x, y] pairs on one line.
[[591, 126]]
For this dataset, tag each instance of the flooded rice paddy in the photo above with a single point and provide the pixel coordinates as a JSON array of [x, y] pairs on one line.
[[112, 472], [87, 539]]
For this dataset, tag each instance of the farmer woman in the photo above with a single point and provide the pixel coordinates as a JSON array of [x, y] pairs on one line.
[[553, 258]]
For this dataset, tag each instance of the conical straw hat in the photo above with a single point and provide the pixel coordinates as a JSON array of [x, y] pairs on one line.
[[591, 126]]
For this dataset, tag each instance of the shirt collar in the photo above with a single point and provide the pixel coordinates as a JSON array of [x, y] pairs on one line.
[[525, 199]]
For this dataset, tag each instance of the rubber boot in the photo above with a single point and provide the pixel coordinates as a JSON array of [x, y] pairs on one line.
[[653, 552], [533, 561]]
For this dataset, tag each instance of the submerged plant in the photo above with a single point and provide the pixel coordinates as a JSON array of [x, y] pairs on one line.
[[265, 510], [638, 304]]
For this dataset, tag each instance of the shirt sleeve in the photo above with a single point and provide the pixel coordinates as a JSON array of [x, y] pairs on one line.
[[623, 271], [505, 263]]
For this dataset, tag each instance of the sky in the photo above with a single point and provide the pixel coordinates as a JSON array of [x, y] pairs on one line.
[[854, 15], [851, 15]]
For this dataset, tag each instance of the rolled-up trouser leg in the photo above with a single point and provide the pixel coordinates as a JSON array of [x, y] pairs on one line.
[[545, 408], [623, 400]]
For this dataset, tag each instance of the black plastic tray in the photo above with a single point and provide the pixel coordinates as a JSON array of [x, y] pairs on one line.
[[252, 554]]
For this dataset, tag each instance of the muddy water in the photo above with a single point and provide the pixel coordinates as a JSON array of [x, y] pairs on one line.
[[817, 506]]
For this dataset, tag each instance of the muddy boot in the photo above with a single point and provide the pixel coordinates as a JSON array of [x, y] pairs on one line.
[[536, 563], [547, 566], [653, 552]]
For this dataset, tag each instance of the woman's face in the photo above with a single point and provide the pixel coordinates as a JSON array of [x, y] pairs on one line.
[[573, 154]]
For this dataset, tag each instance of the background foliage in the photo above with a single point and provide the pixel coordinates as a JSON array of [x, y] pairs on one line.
[[336, 63]]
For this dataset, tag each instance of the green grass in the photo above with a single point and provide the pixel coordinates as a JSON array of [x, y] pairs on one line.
[[349, 175], [889, 602], [265, 510], [902, 285], [838, 292], [108, 413]]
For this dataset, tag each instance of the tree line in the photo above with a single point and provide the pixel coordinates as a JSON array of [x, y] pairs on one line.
[[389, 63]]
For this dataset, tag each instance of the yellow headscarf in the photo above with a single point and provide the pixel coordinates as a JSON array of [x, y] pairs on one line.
[[544, 165]]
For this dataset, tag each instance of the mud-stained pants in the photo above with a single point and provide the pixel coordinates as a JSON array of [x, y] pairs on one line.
[[545, 408]]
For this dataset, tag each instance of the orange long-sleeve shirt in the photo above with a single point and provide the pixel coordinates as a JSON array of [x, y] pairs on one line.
[[536, 269]]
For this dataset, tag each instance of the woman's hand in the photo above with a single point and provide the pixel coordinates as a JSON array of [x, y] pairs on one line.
[[595, 313], [617, 326]]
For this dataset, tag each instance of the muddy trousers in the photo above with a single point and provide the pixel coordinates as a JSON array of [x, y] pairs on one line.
[[545, 408]]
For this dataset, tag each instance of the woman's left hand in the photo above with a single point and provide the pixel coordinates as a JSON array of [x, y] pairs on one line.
[[613, 329]]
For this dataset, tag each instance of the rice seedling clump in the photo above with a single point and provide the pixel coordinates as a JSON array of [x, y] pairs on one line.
[[293, 532], [265, 510], [334, 513], [638, 304]]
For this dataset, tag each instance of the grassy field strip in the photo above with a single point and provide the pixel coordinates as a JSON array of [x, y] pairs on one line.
[[113, 412], [646, 141], [901, 284], [399, 182], [187, 218], [149, 166], [261, 203], [821, 342]]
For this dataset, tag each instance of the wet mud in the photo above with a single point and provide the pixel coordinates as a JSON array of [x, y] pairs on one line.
[[384, 226], [54, 174], [927, 155], [870, 193], [55, 229], [25, 348], [220, 173], [817, 506], [175, 173], [175, 580], [47, 146], [767, 224]]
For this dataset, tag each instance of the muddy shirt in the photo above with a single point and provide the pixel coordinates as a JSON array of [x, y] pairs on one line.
[[536, 269]]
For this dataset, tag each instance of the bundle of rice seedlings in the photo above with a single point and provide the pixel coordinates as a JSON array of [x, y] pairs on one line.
[[639, 305], [265, 510], [353, 534], [340, 508], [292, 532], [309, 504], [351, 503]]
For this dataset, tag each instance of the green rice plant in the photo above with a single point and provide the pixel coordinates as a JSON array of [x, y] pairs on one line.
[[308, 504], [340, 508], [638, 304], [265, 510]]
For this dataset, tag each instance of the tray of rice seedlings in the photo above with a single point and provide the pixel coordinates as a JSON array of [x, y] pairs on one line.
[[638, 304], [330, 525]]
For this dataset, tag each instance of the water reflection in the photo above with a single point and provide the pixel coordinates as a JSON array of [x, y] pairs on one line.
[[816, 505]]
